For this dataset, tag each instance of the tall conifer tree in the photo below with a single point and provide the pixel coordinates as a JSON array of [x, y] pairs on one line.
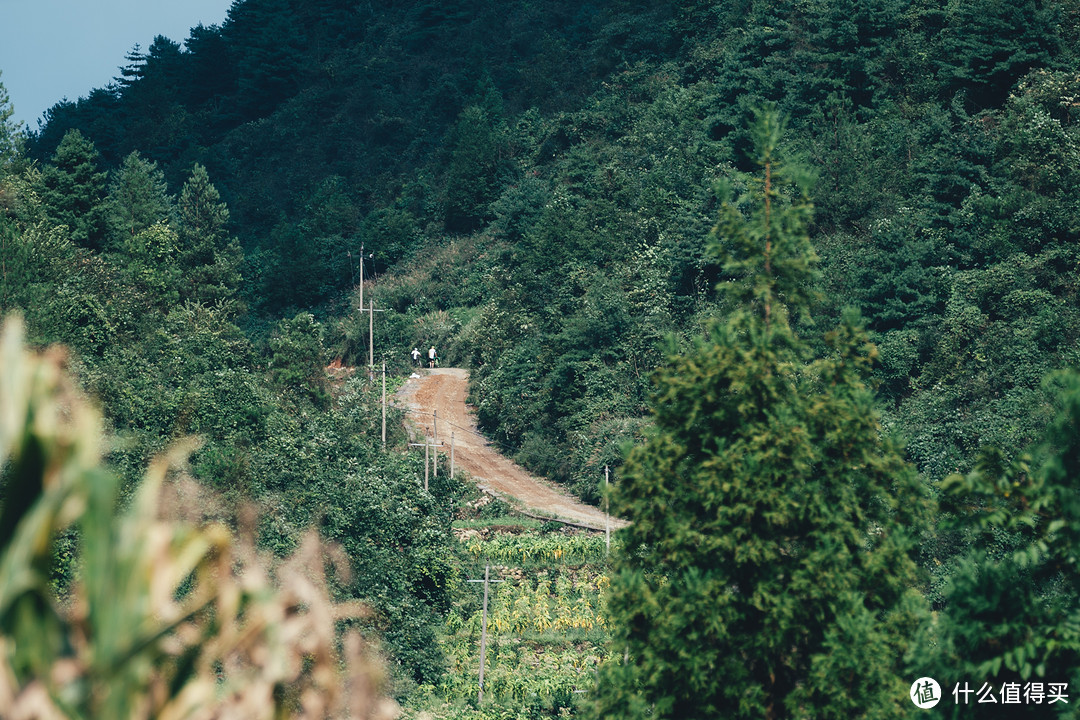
[[767, 572], [73, 190], [208, 256], [138, 198]]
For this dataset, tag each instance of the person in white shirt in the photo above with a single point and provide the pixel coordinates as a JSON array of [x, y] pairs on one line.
[[431, 357], [416, 356]]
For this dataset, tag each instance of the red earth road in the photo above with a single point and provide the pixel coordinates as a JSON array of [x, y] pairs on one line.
[[443, 391]]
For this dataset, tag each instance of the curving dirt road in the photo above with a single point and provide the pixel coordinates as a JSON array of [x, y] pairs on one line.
[[443, 391]]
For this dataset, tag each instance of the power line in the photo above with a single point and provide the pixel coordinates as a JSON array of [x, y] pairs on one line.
[[504, 446]]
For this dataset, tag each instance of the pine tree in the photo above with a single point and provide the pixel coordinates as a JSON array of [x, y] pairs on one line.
[[138, 198], [268, 43], [208, 256], [987, 45], [135, 70], [73, 190], [767, 572], [213, 76]]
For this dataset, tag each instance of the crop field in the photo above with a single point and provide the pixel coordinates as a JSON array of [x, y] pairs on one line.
[[529, 549], [546, 631]]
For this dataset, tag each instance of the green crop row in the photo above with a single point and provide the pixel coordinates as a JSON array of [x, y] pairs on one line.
[[512, 549]]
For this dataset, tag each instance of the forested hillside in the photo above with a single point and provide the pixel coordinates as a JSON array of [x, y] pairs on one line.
[[543, 175], [531, 188]]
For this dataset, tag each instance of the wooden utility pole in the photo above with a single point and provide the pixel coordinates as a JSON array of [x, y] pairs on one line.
[[362, 274], [384, 404], [483, 631], [427, 458], [371, 335], [607, 513], [451, 454]]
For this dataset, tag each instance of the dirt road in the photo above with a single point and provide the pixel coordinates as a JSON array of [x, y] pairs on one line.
[[443, 391]]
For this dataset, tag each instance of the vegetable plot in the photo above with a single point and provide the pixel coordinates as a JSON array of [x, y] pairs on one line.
[[546, 631]]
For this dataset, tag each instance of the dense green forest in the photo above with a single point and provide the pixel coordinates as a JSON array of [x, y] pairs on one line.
[[534, 188], [549, 189]]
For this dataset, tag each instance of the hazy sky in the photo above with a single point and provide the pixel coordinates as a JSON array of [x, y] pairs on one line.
[[51, 49]]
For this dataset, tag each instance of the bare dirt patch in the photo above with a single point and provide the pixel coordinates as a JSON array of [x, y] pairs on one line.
[[437, 400]]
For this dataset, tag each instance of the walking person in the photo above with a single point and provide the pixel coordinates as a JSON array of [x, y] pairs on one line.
[[432, 357], [416, 356]]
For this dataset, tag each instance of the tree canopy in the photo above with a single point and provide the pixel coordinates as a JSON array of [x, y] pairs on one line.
[[769, 569]]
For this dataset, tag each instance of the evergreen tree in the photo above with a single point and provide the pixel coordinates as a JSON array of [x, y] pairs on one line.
[[73, 190], [1012, 607], [299, 357], [208, 256], [9, 132], [268, 43], [135, 70], [138, 198], [212, 77], [987, 45], [475, 144], [152, 85], [767, 572]]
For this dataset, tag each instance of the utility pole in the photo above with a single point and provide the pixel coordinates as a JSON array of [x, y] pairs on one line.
[[427, 458], [384, 404], [435, 440], [607, 513], [483, 631], [451, 454], [362, 275], [371, 334]]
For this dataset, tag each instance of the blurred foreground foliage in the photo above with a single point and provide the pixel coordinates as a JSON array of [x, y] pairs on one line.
[[164, 616]]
